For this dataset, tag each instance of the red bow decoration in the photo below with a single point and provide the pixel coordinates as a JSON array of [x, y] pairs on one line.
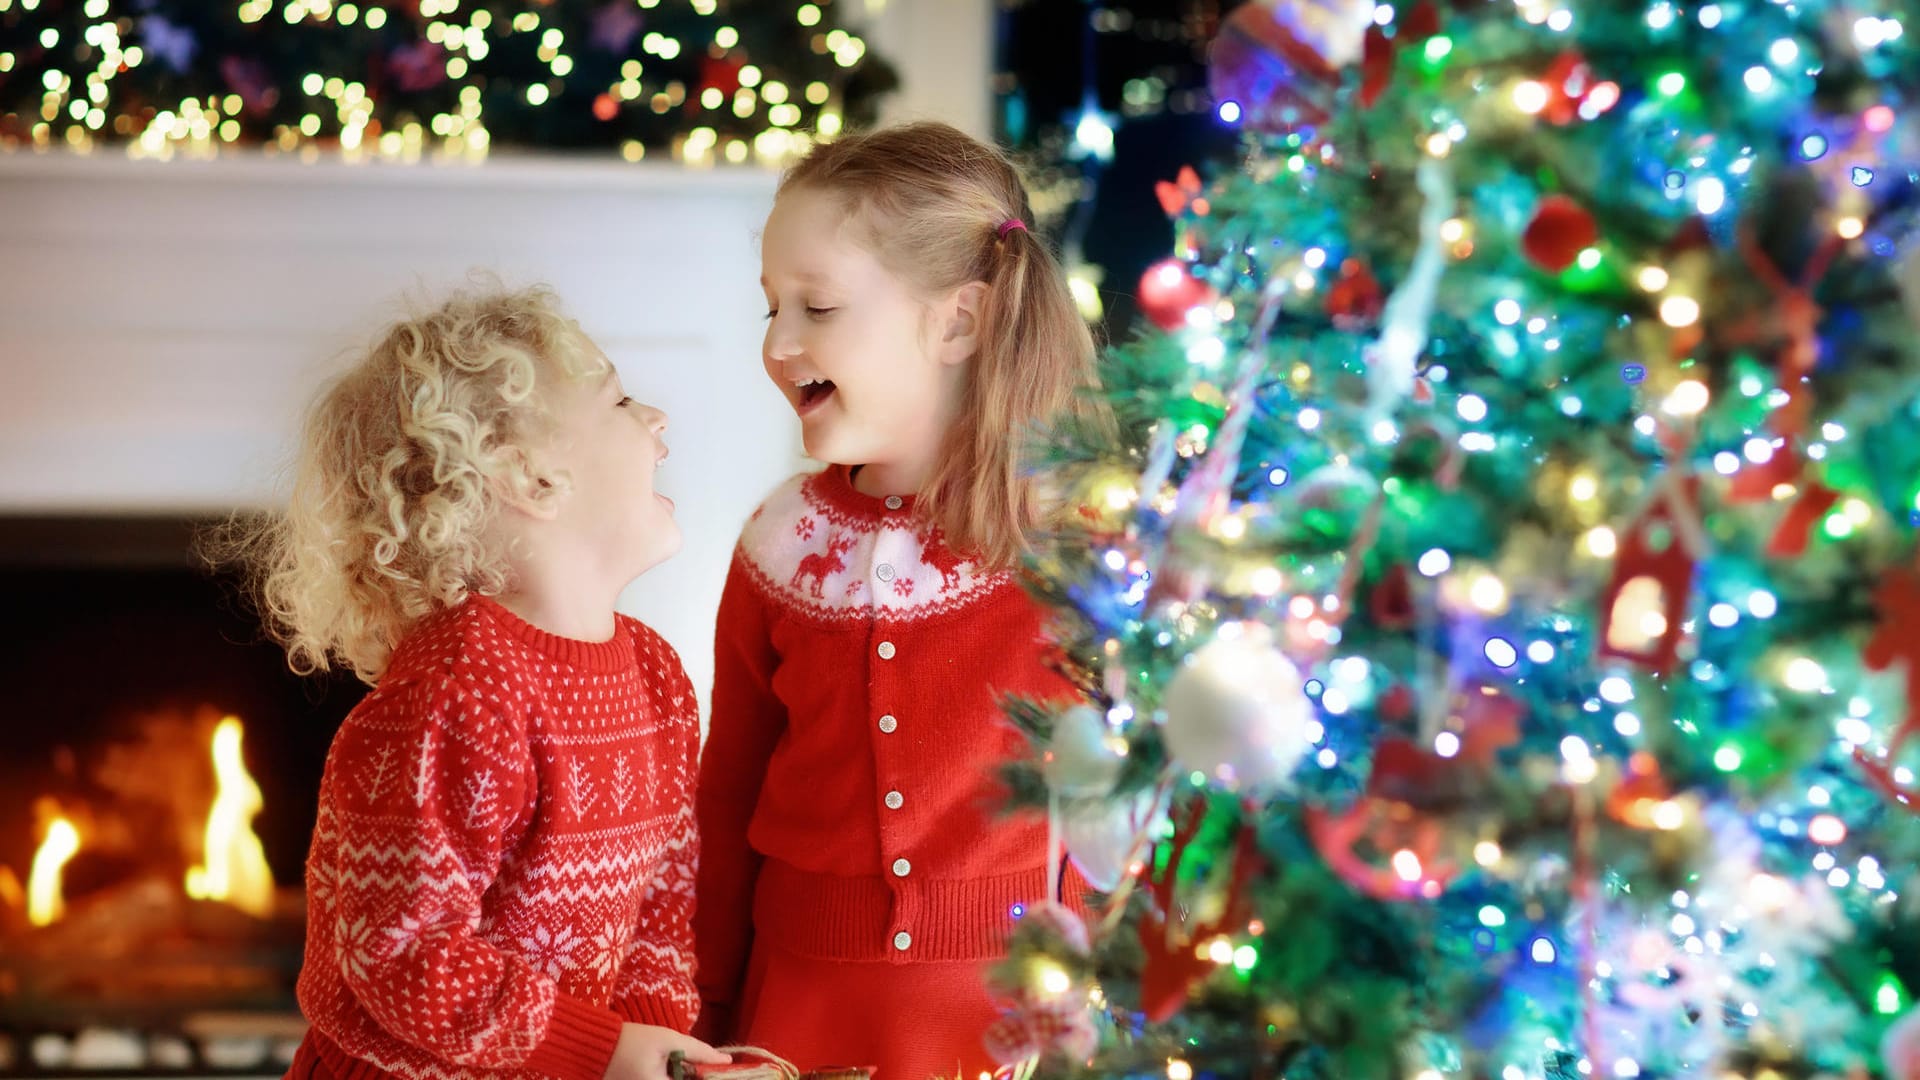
[[1181, 194], [1896, 639], [1172, 963]]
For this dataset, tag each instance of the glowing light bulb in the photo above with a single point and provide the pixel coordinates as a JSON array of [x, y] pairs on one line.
[[1826, 830], [1687, 399], [1679, 311]]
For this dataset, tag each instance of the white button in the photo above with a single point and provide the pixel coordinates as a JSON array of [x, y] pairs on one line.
[[884, 571], [888, 723], [895, 800], [901, 867], [886, 650], [901, 940], [893, 503]]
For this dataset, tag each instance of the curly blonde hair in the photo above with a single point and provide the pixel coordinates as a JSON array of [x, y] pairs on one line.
[[394, 483]]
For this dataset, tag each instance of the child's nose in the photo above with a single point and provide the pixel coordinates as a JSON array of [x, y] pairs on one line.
[[781, 343]]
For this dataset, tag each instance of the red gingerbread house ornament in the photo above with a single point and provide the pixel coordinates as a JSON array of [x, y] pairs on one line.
[[1645, 602]]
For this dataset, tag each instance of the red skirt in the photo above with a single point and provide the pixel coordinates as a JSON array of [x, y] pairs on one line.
[[904, 1021]]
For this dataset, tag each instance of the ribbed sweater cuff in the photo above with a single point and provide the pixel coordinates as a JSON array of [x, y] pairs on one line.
[[579, 1043], [657, 1011]]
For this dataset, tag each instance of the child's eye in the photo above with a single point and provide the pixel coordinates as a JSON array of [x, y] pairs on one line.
[[623, 403], [821, 312], [771, 312]]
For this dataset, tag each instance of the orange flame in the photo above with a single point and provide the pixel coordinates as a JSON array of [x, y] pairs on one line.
[[44, 902], [235, 868]]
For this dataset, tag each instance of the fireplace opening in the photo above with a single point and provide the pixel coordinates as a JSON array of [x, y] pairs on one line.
[[159, 769]]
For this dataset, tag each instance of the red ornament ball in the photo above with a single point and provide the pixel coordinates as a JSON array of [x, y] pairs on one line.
[[1355, 298], [1560, 230], [1168, 291]]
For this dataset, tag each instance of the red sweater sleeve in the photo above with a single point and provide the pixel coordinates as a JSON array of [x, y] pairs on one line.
[[747, 722], [655, 985], [426, 787]]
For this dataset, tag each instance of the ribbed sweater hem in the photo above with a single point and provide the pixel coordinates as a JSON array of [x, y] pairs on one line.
[[828, 917]]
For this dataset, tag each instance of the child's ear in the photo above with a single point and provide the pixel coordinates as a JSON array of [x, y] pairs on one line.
[[961, 337], [521, 488]]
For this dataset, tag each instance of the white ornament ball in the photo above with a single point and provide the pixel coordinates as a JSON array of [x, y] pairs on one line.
[[1340, 490], [1238, 712], [1082, 759], [1101, 834]]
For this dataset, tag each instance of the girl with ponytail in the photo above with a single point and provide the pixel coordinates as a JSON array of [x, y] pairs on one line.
[[857, 877]]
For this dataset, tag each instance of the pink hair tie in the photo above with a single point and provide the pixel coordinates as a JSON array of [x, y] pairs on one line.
[[1009, 225]]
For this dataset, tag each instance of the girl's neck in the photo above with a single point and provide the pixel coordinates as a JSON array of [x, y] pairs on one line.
[[559, 592], [895, 478], [580, 622]]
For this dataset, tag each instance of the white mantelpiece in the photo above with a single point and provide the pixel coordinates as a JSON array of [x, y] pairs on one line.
[[161, 324]]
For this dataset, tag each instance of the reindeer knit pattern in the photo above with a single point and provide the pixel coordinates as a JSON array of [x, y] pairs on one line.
[[504, 862], [854, 844]]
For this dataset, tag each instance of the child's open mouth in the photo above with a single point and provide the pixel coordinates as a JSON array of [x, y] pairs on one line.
[[814, 393]]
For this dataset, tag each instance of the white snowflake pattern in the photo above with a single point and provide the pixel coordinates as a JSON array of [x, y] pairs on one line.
[[552, 950], [358, 947], [402, 937], [609, 951]]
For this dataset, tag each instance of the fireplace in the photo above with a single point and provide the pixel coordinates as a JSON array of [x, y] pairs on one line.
[[159, 769]]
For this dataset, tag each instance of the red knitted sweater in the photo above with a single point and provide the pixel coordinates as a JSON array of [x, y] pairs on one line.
[[848, 800], [504, 861]]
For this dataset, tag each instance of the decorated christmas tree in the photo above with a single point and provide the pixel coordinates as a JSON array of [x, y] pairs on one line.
[[1096, 101], [702, 80], [1500, 604]]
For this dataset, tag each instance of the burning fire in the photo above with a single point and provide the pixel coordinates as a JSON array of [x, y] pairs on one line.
[[236, 868], [44, 903]]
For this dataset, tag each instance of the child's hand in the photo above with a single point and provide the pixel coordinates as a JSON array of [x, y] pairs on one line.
[[642, 1052]]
